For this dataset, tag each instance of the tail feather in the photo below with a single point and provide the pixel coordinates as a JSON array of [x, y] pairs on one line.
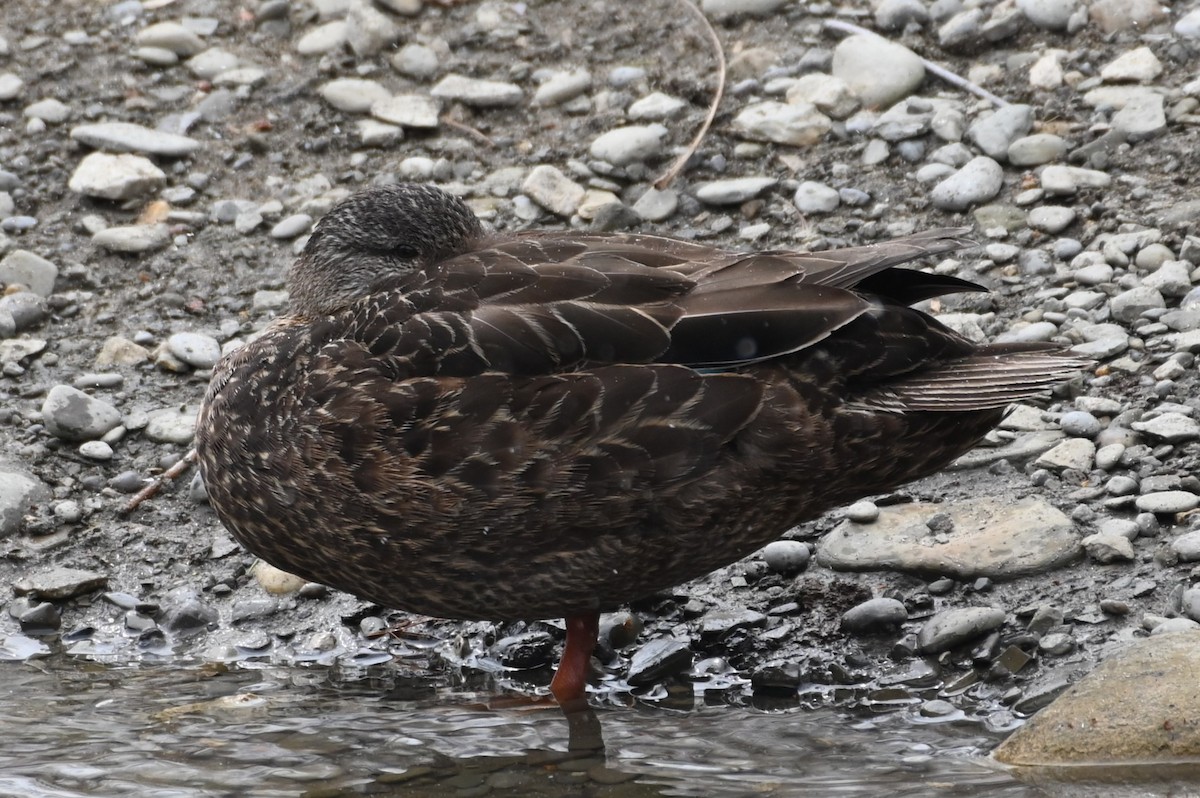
[[992, 378]]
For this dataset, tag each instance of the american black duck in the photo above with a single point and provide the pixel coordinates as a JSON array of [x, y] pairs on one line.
[[479, 426]]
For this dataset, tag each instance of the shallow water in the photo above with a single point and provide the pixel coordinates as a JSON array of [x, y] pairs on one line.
[[84, 729]]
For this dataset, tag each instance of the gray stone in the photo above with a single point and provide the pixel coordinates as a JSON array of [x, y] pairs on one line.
[[1076, 453], [116, 177], [134, 238], [197, 350], [1168, 502], [977, 181], [11, 86], [631, 144], [1106, 547], [952, 628], [991, 537], [800, 125], [1138, 705], [323, 38], [172, 425], [1128, 306], [369, 31], [171, 36], [72, 415], [553, 190], [292, 226], [1048, 14], [1136, 66], [23, 267], [1169, 428], [878, 71], [656, 107], [477, 93], [408, 110], [812, 197], [734, 190], [786, 556], [19, 492], [1036, 150], [1142, 118], [996, 132], [211, 63], [561, 87], [658, 659], [876, 613], [1062, 180], [656, 205], [353, 95], [416, 61], [128, 137], [1079, 424], [59, 583], [1187, 546]]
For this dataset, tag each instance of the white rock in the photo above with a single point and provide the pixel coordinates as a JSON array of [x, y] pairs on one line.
[[1048, 14], [323, 38], [133, 238], [128, 137], [116, 177], [353, 95], [10, 86], [553, 190], [1062, 180], [830, 94], [477, 93], [797, 124], [373, 133], [812, 197], [171, 36], [655, 107], [368, 30], [734, 190], [630, 144], [408, 110], [1046, 73], [1136, 66], [562, 86], [977, 181], [878, 71]]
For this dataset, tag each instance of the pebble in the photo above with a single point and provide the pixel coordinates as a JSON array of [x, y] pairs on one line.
[[1106, 547], [172, 425], [733, 191], [323, 38], [800, 125], [197, 350], [1064, 180], [1036, 150], [626, 145], [876, 613], [477, 93], [408, 110], [561, 87], [171, 36], [656, 107], [863, 512], [786, 556], [1168, 501], [50, 111], [1079, 424], [996, 132], [1187, 546], [1137, 65], [59, 583], [1142, 118], [1051, 219], [134, 238], [72, 415], [1128, 306], [551, 189], [96, 450], [292, 226], [368, 30], [116, 177], [656, 205], [32, 271], [524, 651], [11, 86], [19, 491], [812, 198], [128, 137], [1048, 14], [952, 628], [353, 95], [878, 71], [1169, 428], [657, 660], [977, 181], [415, 61]]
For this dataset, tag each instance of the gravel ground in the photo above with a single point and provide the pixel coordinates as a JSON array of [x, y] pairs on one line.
[[161, 162]]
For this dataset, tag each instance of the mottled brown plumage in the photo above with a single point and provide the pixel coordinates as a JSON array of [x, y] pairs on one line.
[[542, 425]]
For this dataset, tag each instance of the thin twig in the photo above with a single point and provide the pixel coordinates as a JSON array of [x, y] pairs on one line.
[[937, 69], [678, 164], [464, 128], [154, 487]]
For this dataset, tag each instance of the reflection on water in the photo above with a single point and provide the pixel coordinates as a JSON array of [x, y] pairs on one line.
[[83, 729]]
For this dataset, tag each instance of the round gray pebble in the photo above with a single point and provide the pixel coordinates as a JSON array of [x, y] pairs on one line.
[[874, 613], [1079, 424], [786, 556], [197, 350]]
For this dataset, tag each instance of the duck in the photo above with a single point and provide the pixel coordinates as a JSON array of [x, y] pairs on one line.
[[474, 425]]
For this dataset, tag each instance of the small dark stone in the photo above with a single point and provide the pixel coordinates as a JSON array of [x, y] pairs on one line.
[[524, 651], [776, 679], [189, 617], [657, 660], [42, 617]]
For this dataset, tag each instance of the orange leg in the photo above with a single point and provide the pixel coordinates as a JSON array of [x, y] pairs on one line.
[[570, 680]]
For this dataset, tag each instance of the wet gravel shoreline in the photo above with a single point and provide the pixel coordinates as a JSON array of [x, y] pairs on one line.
[[159, 167]]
